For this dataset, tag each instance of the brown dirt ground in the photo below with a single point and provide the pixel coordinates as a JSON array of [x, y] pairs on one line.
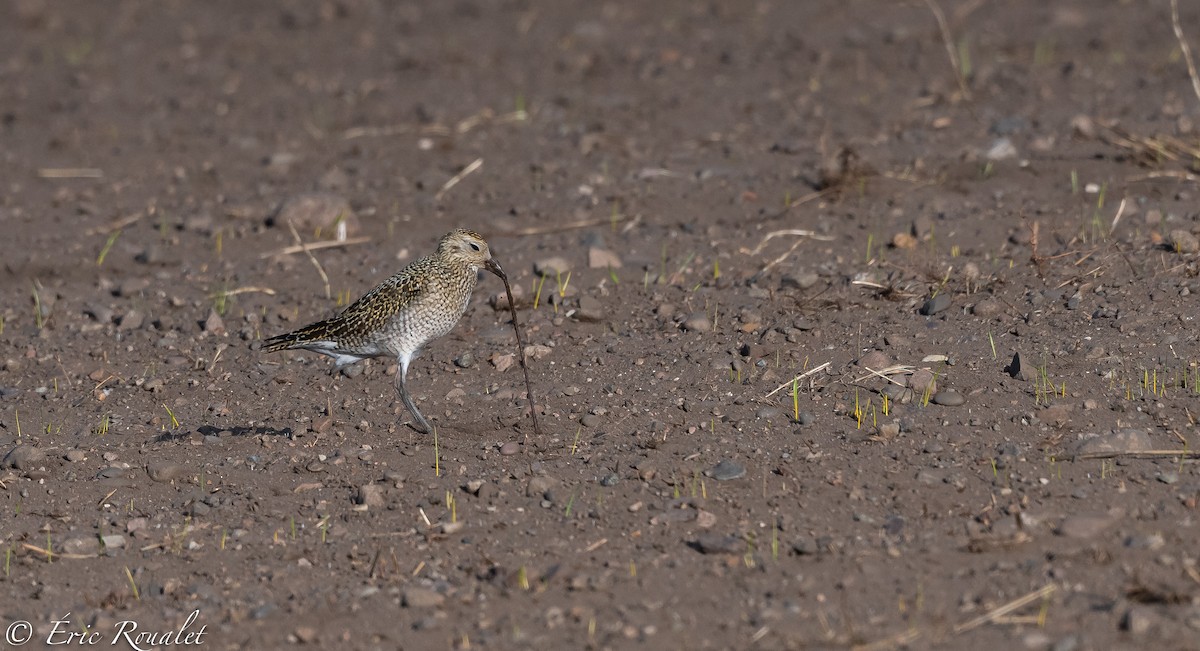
[[146, 146]]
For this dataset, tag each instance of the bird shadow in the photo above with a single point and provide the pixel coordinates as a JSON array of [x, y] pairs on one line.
[[236, 430]]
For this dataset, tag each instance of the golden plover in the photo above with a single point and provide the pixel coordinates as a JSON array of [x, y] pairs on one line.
[[403, 313]]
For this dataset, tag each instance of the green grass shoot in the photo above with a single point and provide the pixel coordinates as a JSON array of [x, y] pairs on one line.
[[174, 421], [795, 399], [17, 416], [612, 275], [537, 295], [1074, 182], [112, 239], [132, 584], [437, 463], [37, 307], [992, 341], [575, 443]]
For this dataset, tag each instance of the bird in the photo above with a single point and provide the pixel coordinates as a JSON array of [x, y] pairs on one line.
[[416, 305]]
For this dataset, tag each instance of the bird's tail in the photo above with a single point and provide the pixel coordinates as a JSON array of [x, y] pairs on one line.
[[297, 338]]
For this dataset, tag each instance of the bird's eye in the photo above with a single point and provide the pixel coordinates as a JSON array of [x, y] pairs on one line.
[[474, 246]]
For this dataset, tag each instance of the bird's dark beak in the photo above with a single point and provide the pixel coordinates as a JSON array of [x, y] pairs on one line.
[[494, 267]]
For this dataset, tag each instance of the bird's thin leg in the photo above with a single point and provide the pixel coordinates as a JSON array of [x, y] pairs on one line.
[[422, 425]]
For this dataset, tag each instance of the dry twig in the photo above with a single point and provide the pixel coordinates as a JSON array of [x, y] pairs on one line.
[[304, 247]]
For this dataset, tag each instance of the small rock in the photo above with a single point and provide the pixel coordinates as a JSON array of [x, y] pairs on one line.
[[132, 320], [987, 308], [610, 479], [540, 486], [502, 362], [1120, 441], [1018, 368], [414, 597], [537, 351], [590, 309], [1183, 241], [306, 634], [86, 545], [874, 360], [1084, 527], [922, 383], [75, 456], [599, 258], [552, 267], [24, 457], [697, 322], [465, 360], [936, 304], [370, 495], [726, 470], [113, 541], [805, 418], [767, 413], [590, 420], [214, 324], [889, 431], [948, 398], [1083, 126], [165, 472], [715, 543], [1001, 149], [799, 280], [1137, 621], [510, 448]]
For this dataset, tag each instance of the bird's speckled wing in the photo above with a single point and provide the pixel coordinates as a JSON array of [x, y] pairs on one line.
[[351, 329]]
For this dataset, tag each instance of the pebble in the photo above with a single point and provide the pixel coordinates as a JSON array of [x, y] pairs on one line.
[[610, 479], [370, 495], [113, 541], [414, 597], [306, 634], [874, 360], [1018, 368], [111, 472], [936, 304], [590, 310], [987, 308], [799, 280], [948, 398], [75, 456], [589, 420], [540, 486], [1001, 149], [1137, 620], [1124, 440], [132, 320], [726, 470], [922, 382], [24, 457], [165, 472], [767, 413], [1084, 527], [465, 360], [552, 267], [86, 545], [1183, 241], [715, 543], [214, 324], [599, 258], [510, 448], [805, 418], [697, 322]]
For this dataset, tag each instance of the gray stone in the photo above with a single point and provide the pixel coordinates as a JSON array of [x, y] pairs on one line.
[[715, 543], [697, 322], [726, 470], [414, 597], [165, 472], [590, 309], [1183, 241], [24, 457], [948, 398], [370, 496], [936, 304], [1124, 440]]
